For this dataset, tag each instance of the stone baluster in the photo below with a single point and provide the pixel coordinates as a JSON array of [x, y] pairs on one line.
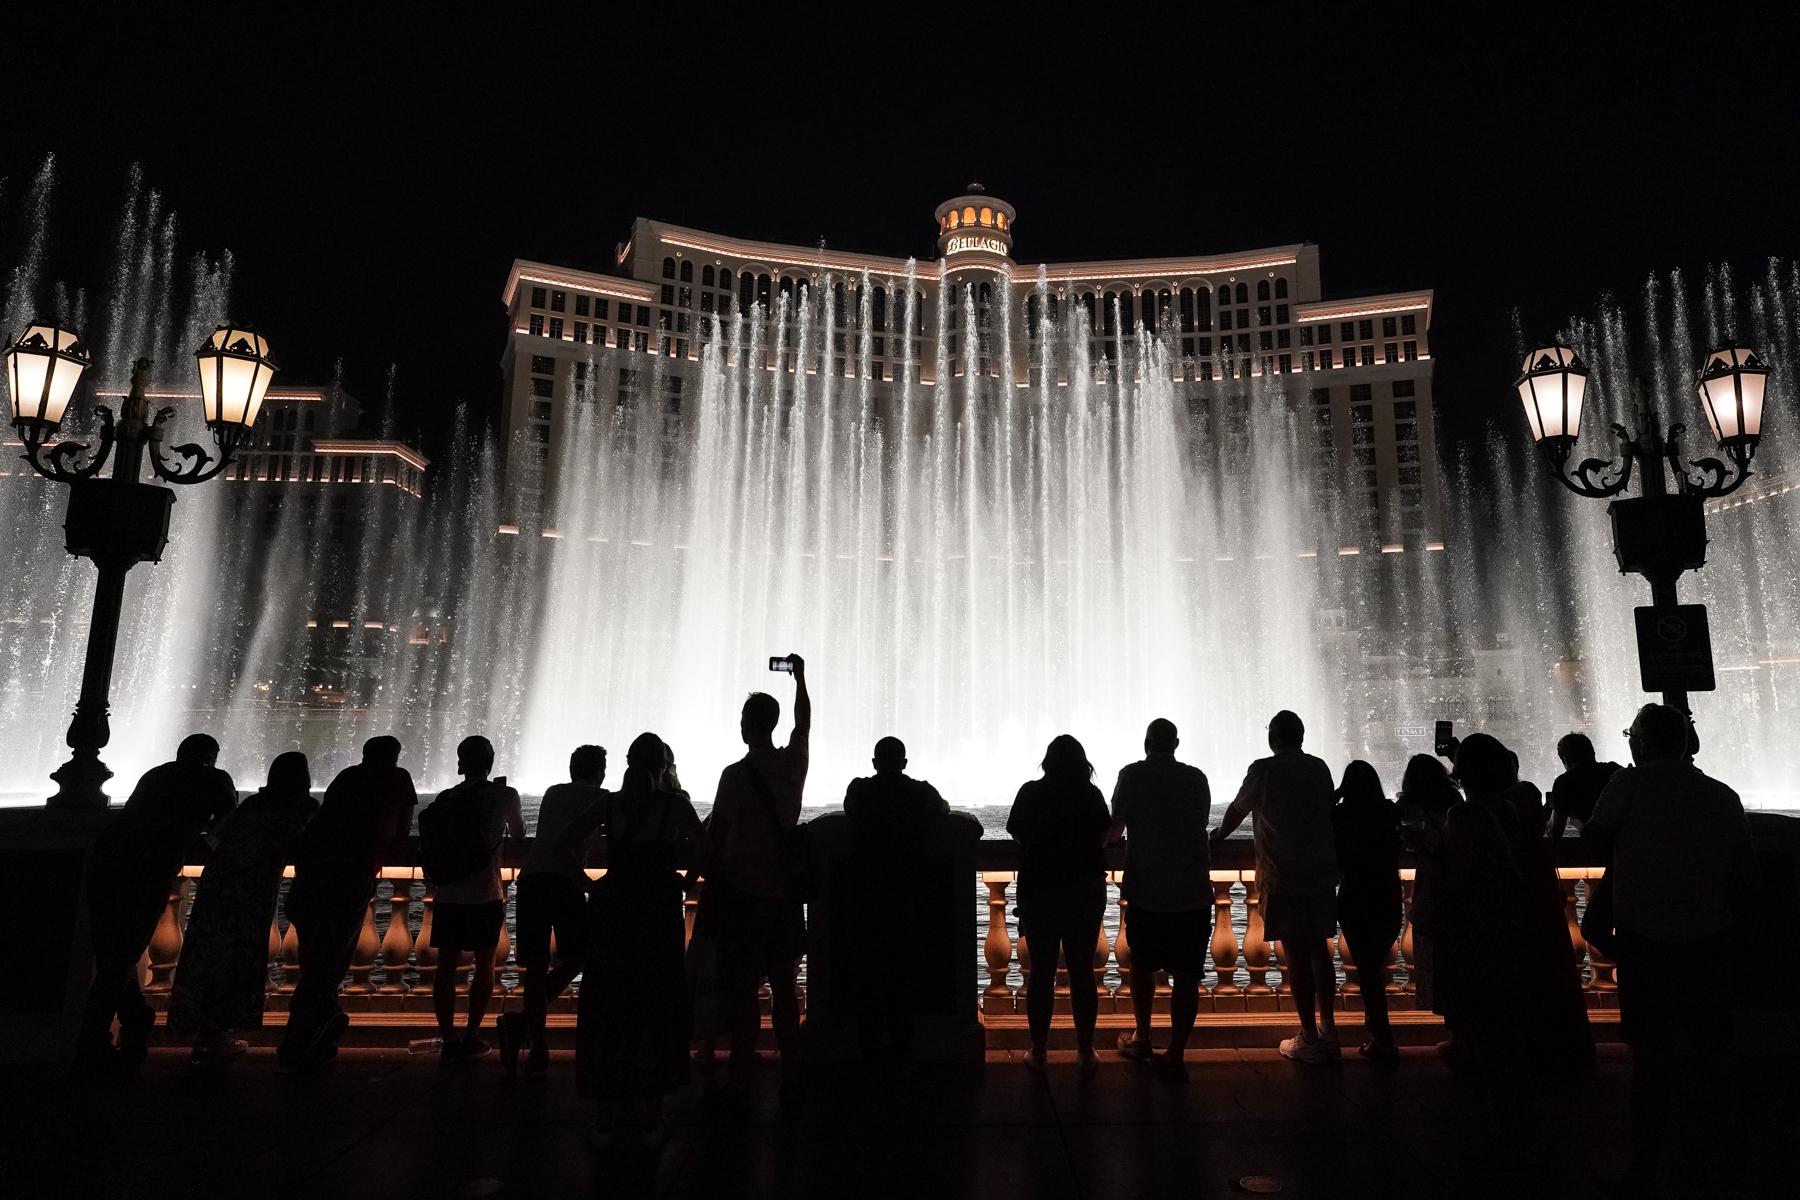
[[425, 959], [1258, 997], [502, 948], [1408, 996], [1227, 995], [274, 951], [1122, 954], [364, 957], [1570, 916], [396, 944], [165, 944], [1604, 989], [1349, 994], [1284, 988], [1103, 952], [290, 954], [997, 997]]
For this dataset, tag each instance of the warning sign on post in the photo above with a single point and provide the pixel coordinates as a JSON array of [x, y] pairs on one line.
[[1674, 649]]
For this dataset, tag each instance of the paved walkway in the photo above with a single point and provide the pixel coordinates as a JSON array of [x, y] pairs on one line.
[[381, 1123]]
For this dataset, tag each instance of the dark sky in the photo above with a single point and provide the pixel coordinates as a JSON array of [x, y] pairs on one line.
[[374, 181]]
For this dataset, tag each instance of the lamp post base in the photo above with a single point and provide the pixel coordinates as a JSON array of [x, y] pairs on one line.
[[81, 783]]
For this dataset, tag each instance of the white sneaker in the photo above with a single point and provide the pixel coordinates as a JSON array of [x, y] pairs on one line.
[[1301, 1048]]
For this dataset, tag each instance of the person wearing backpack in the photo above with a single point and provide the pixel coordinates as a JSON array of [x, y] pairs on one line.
[[751, 902], [460, 836]]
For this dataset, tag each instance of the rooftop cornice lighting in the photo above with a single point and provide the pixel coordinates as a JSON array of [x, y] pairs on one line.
[[756, 252], [605, 285], [1321, 310], [350, 446], [305, 397], [1077, 272]]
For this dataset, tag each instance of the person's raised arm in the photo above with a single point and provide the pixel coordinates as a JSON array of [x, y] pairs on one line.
[[1240, 807], [802, 701]]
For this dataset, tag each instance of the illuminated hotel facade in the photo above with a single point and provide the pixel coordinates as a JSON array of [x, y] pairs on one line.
[[1242, 328]]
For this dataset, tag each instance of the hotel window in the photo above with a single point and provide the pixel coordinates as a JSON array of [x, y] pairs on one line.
[[1281, 314], [540, 410], [556, 327], [706, 302], [558, 301], [684, 298], [1407, 453], [1412, 351], [1402, 387], [1361, 393], [1224, 318], [1282, 339], [1243, 345], [537, 325], [1347, 331], [1409, 323], [1325, 360], [1306, 360], [600, 309], [541, 388], [581, 306], [1411, 476], [1243, 294], [1364, 456], [1265, 340], [1365, 330], [1411, 497], [1205, 345], [1406, 410], [581, 331], [1262, 289], [543, 364], [707, 277], [1323, 435], [1362, 414], [1406, 431], [1390, 352], [1389, 327], [1262, 315], [643, 314], [537, 297], [643, 343], [724, 279], [1324, 335], [1368, 356], [1286, 362], [668, 271], [668, 293], [1281, 289], [687, 271]]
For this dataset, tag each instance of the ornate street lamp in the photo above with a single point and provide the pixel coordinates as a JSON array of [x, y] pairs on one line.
[[1657, 534], [121, 520]]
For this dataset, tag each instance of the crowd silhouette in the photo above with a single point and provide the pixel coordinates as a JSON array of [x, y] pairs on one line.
[[1491, 952]]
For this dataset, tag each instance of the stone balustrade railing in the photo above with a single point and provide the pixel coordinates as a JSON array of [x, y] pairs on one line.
[[391, 974]]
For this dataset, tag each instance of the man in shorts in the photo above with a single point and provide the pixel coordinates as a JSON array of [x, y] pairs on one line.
[[468, 912], [552, 898], [1162, 807], [1290, 796]]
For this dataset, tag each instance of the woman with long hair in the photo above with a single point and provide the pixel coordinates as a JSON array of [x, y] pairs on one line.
[[1060, 823], [1367, 829], [632, 1028], [1427, 794], [223, 974]]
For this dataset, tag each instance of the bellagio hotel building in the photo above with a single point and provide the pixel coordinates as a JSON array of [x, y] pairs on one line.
[[1358, 369]]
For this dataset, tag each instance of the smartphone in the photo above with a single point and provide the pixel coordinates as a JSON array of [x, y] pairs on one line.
[[1446, 739], [781, 663]]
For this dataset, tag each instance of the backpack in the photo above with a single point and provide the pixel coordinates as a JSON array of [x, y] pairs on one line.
[[454, 842]]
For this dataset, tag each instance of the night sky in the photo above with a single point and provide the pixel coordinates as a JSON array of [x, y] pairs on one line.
[[374, 181]]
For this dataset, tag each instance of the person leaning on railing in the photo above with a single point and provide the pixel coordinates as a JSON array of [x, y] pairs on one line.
[[363, 821]]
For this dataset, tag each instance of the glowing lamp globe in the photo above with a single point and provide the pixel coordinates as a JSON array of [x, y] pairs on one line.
[[1732, 381], [1552, 385], [43, 365], [235, 370]]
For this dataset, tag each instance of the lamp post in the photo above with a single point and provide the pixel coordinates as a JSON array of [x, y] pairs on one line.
[[1657, 534], [121, 520]]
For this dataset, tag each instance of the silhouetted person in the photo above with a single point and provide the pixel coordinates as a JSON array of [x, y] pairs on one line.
[[130, 873], [1163, 808], [1427, 794], [362, 823], [468, 823], [1505, 969], [892, 816], [751, 901], [550, 897], [632, 1030], [1573, 794], [223, 975], [1367, 828], [1289, 794], [1060, 823], [1680, 853]]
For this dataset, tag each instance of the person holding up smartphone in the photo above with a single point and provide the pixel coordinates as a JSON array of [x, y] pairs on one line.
[[752, 902]]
